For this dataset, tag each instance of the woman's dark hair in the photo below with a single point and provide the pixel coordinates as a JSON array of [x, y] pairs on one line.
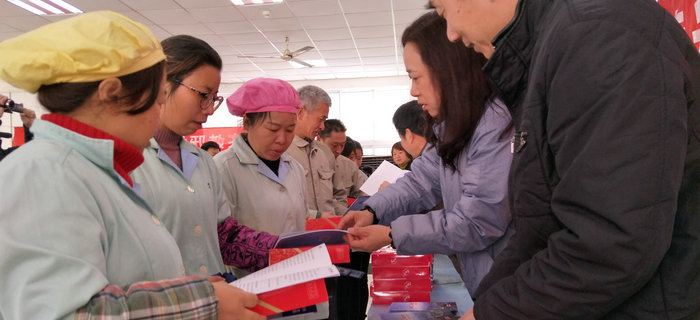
[[185, 54], [66, 97], [348, 148], [456, 73], [358, 146], [254, 118]]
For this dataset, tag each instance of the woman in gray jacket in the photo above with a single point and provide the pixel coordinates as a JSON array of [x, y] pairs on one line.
[[465, 165]]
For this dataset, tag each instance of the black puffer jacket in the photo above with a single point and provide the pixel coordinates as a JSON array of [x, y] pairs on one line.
[[605, 180]]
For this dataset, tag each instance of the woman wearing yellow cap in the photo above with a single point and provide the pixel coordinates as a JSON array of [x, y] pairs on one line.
[[88, 245], [180, 181]]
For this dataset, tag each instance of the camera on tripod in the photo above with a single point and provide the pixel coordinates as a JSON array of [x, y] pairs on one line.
[[10, 106]]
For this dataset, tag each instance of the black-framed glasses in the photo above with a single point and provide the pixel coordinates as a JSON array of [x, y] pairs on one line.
[[207, 99]]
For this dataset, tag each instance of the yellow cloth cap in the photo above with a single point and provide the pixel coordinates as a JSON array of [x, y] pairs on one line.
[[89, 47]]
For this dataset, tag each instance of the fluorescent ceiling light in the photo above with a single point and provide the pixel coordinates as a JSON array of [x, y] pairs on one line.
[[46, 6], [27, 7], [255, 2], [39, 7], [67, 6], [315, 63]]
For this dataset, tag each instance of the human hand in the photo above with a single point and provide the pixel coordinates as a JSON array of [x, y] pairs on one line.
[[383, 185], [356, 219], [2, 103], [213, 279], [28, 117], [369, 238], [469, 315], [234, 303]]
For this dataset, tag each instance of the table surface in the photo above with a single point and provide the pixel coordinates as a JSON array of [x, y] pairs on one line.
[[448, 287]]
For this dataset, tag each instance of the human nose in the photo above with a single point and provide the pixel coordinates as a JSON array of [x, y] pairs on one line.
[[414, 90], [282, 138], [209, 110]]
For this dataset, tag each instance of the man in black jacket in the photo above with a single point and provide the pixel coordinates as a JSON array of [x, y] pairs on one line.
[[605, 181]]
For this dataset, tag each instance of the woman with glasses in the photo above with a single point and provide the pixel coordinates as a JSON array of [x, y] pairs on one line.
[[179, 181]]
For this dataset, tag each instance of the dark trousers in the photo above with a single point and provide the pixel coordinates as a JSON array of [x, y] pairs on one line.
[[347, 296]]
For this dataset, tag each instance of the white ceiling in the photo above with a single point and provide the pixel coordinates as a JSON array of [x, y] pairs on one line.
[[356, 38]]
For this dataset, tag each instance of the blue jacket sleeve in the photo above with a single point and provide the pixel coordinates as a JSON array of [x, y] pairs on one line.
[[476, 206]]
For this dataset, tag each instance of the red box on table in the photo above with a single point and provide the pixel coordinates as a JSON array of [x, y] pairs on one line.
[[407, 272], [402, 285], [387, 256], [387, 297]]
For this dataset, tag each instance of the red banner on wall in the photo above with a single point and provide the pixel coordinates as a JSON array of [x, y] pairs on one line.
[[687, 13], [222, 136]]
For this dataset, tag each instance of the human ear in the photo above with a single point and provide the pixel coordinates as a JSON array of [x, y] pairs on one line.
[[246, 122], [109, 90], [301, 113], [409, 135]]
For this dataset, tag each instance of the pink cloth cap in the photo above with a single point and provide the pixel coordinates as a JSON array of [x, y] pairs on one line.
[[264, 95]]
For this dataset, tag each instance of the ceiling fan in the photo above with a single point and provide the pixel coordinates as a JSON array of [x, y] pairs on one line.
[[287, 55]]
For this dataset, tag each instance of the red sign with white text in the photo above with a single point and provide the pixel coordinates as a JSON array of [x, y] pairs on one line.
[[222, 136], [687, 13]]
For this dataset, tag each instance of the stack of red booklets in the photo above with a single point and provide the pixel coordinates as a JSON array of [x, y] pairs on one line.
[[400, 278]]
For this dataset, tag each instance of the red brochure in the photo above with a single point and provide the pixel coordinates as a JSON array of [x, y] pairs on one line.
[[339, 253]]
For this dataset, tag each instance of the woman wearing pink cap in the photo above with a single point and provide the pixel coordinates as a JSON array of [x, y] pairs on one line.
[[265, 187]]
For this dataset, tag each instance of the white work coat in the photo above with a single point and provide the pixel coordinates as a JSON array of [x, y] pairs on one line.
[[190, 203], [71, 226], [258, 198]]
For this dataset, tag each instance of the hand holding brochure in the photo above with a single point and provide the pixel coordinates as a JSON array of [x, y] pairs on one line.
[[385, 172], [293, 283]]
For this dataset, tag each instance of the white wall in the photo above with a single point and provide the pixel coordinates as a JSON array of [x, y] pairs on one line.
[[365, 106], [12, 120]]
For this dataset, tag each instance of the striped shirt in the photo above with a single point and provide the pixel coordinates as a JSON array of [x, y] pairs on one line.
[[185, 298]]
